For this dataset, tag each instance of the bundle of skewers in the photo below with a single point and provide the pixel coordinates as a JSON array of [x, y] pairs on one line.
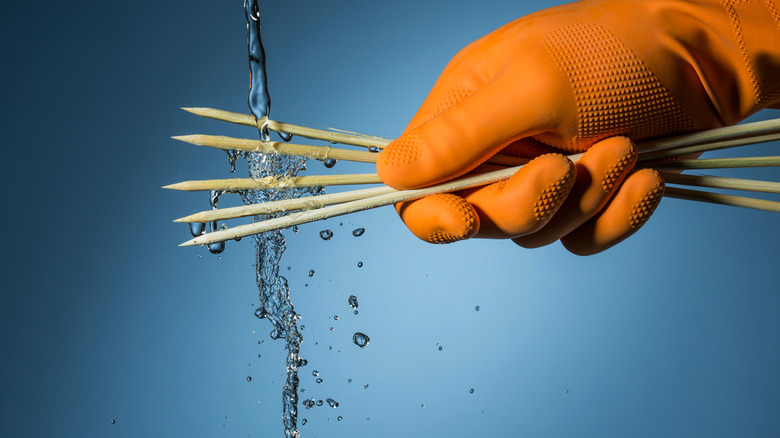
[[654, 154]]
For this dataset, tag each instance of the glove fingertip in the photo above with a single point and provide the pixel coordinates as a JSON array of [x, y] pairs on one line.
[[626, 213], [442, 218]]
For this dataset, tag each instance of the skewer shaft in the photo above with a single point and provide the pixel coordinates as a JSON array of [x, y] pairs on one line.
[[303, 131], [270, 182], [269, 147], [305, 203], [717, 182], [712, 163], [722, 199], [710, 146]]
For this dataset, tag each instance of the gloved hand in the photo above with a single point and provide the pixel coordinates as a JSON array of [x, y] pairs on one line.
[[582, 77]]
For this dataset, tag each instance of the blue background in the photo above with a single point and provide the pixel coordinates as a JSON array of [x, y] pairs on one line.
[[672, 333]]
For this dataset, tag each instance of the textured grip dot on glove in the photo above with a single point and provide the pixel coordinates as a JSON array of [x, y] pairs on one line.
[[613, 174], [552, 196], [403, 151], [644, 208]]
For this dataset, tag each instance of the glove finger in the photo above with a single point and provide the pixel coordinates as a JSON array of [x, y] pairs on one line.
[[599, 173], [526, 201], [442, 218], [629, 209], [456, 140]]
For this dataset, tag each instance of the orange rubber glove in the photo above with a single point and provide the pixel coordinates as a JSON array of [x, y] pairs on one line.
[[582, 77]]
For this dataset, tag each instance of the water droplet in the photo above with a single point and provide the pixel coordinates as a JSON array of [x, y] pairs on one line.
[[217, 247], [353, 302], [315, 373], [360, 339], [360, 264], [422, 405], [308, 403], [373, 149], [319, 402], [355, 312], [365, 385], [349, 380], [357, 232], [319, 380], [259, 355], [304, 421], [295, 229], [197, 228], [476, 308], [326, 234], [311, 273], [329, 163], [439, 347], [331, 329], [339, 418], [471, 390], [248, 378], [289, 268], [285, 136], [113, 421], [303, 327], [302, 362], [336, 317], [332, 403]]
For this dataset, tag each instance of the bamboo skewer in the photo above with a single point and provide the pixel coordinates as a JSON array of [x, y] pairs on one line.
[[270, 147], [712, 163], [306, 151], [235, 184], [744, 131], [270, 182], [367, 141], [706, 147], [722, 199], [305, 203], [717, 182]]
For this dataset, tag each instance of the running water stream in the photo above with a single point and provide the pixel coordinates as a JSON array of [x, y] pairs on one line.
[[274, 291]]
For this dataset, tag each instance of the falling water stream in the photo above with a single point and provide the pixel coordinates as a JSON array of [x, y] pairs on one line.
[[274, 291]]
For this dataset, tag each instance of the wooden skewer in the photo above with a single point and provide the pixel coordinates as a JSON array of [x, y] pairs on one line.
[[270, 182], [307, 151], [717, 182], [305, 203], [712, 163], [303, 131], [706, 147], [234, 184], [746, 130], [722, 199], [269, 147]]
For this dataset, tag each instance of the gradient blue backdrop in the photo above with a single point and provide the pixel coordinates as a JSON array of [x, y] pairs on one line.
[[673, 333]]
